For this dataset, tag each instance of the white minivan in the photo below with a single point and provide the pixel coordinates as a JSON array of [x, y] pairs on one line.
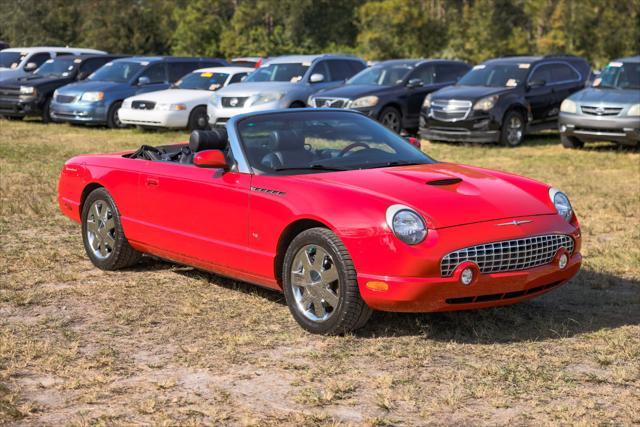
[[184, 105], [20, 61]]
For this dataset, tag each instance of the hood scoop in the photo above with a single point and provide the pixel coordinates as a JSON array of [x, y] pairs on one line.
[[446, 181]]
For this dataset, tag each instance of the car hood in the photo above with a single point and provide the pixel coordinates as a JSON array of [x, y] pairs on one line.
[[606, 96], [8, 73], [90, 86], [175, 96], [480, 195], [252, 88], [355, 91], [470, 93], [33, 80]]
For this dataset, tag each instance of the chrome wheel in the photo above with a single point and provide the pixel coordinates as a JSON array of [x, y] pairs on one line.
[[101, 229], [391, 120], [515, 129], [315, 283]]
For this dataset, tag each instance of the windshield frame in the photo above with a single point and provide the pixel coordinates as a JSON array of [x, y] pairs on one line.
[[239, 150], [410, 68], [482, 67], [134, 75]]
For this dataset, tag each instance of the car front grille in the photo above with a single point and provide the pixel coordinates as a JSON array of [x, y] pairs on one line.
[[234, 101], [508, 255], [450, 110], [143, 105], [9, 92], [331, 102], [65, 99], [601, 111]]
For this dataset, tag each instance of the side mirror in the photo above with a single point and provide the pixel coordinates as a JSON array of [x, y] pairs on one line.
[[537, 83], [31, 66], [213, 159], [316, 78], [413, 83], [415, 142], [143, 80]]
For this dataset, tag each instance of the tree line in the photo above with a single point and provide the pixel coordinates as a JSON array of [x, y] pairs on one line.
[[473, 30]]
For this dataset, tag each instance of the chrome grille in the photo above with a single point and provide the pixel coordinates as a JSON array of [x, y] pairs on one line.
[[601, 111], [508, 255], [234, 101], [331, 102], [143, 105], [450, 110], [65, 99]]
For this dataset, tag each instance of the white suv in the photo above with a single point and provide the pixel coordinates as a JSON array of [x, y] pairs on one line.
[[20, 61]]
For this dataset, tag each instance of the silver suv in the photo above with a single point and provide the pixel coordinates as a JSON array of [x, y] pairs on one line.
[[609, 110], [282, 82]]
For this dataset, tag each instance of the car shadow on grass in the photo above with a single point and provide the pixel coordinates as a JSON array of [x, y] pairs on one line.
[[590, 302]]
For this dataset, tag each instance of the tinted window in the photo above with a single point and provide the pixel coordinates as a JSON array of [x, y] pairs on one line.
[[91, 65], [63, 53], [449, 73], [542, 73], [426, 73], [356, 67], [496, 75], [339, 70], [39, 58], [321, 68], [563, 73], [156, 73], [178, 70], [618, 75], [382, 75], [237, 78]]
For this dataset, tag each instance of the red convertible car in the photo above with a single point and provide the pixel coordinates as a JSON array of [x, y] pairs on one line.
[[341, 214]]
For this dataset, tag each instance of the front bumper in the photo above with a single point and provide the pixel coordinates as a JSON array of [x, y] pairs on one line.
[[477, 127], [19, 107], [624, 130], [77, 112], [155, 118]]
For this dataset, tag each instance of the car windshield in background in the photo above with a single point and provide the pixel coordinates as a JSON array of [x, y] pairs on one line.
[[119, 72], [299, 142], [619, 75], [495, 75], [202, 81], [10, 59], [57, 68], [278, 73], [381, 75]]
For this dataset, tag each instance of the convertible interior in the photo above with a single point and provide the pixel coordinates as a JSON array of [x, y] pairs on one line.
[[215, 139]]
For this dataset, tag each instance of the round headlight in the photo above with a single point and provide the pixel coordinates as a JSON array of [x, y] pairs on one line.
[[406, 224], [562, 204]]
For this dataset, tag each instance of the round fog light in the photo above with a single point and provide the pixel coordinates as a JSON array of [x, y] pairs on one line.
[[562, 262], [466, 277]]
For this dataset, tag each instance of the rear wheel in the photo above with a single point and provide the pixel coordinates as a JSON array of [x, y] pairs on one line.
[[113, 118], [102, 234], [571, 142], [391, 118], [320, 284], [46, 111], [513, 127], [198, 119]]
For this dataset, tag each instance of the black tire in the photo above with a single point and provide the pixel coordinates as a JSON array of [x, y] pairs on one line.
[[297, 104], [46, 111], [118, 253], [510, 135], [571, 142], [113, 120], [14, 117], [198, 119], [391, 118], [350, 312]]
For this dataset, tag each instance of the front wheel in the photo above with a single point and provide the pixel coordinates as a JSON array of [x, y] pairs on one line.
[[102, 233], [320, 284], [198, 119], [391, 118], [513, 127], [571, 142], [113, 117]]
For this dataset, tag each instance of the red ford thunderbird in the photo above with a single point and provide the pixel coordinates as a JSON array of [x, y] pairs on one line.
[[330, 207]]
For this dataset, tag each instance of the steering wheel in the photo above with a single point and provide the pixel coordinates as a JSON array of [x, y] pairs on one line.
[[350, 147]]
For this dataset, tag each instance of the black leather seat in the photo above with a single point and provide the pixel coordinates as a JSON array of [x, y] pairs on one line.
[[289, 150], [200, 140]]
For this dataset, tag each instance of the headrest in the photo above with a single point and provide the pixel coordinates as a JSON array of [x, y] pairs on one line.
[[215, 139], [286, 140]]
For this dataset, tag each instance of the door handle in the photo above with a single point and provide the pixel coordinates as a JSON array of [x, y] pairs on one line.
[[152, 182]]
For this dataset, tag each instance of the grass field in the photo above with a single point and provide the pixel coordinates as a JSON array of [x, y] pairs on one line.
[[166, 344]]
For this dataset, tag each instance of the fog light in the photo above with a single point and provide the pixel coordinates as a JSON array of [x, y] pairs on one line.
[[378, 286], [466, 277], [563, 128], [562, 261]]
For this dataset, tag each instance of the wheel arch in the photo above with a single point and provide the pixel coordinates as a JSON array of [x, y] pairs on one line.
[[393, 104], [286, 237], [85, 193]]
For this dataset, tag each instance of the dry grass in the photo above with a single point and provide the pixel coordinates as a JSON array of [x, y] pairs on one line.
[[164, 344]]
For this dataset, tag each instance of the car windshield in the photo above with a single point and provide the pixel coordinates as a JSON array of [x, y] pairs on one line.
[[62, 67], [278, 73], [381, 75], [496, 75], [10, 59], [322, 141], [619, 75], [202, 80], [119, 72]]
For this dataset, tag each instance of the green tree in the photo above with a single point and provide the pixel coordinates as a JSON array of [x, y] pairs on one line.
[[199, 27]]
